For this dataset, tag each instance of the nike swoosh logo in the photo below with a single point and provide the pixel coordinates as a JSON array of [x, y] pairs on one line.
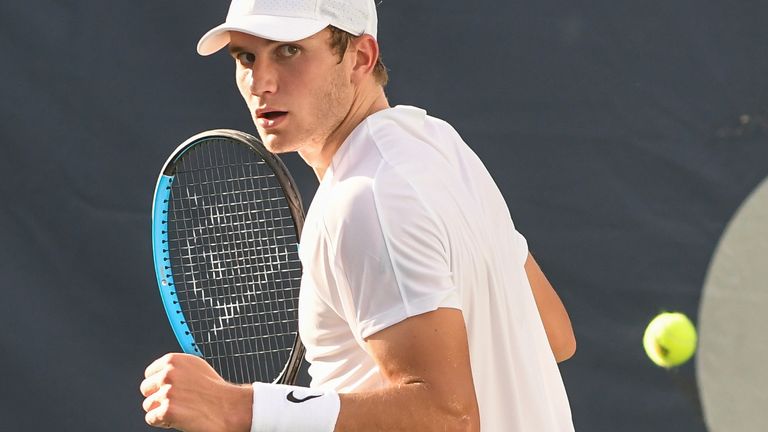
[[293, 398]]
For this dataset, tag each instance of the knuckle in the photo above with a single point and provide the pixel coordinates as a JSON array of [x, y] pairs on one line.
[[168, 391], [161, 416], [166, 375]]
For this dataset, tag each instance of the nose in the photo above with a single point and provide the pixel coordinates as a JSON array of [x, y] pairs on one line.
[[263, 78]]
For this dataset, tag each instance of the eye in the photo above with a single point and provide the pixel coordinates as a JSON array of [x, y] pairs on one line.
[[245, 58], [287, 51]]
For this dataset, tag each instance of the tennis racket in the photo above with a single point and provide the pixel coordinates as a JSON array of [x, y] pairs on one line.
[[226, 220]]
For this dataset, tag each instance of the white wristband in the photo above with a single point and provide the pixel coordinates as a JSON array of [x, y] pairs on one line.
[[283, 408]]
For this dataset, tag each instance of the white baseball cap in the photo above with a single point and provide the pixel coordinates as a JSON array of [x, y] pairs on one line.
[[290, 20]]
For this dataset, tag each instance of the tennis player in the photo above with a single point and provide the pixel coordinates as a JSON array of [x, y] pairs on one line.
[[421, 308]]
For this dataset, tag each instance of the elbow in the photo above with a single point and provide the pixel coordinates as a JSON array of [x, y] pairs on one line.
[[458, 413], [464, 421], [462, 416], [565, 348]]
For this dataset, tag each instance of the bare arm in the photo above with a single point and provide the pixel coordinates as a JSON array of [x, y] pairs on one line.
[[552, 312], [425, 360]]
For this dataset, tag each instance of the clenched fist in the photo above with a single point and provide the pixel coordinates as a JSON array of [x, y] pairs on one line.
[[184, 392]]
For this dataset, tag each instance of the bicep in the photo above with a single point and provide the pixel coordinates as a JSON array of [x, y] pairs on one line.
[[555, 318], [430, 350], [419, 347], [424, 361]]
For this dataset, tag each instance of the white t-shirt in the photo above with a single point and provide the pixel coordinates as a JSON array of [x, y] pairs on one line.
[[407, 220]]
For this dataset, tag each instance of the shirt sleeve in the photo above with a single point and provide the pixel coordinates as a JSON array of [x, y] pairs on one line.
[[392, 254]]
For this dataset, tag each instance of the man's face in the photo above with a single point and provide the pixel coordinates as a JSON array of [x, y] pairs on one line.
[[297, 92]]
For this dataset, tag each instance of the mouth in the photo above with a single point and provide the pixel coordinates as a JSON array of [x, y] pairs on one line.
[[267, 118]]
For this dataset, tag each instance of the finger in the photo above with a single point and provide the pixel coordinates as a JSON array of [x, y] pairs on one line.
[[158, 417], [160, 397], [152, 402], [162, 377], [151, 384], [158, 365]]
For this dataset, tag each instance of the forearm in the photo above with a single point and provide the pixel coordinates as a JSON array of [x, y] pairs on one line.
[[413, 406], [557, 326], [424, 362], [553, 315]]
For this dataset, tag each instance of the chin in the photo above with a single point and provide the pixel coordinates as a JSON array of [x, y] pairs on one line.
[[276, 145]]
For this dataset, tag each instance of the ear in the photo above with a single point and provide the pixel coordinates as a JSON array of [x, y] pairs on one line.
[[366, 54]]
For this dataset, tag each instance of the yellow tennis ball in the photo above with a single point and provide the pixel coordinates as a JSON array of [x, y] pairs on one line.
[[670, 339]]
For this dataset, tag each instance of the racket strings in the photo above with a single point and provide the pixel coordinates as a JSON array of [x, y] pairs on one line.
[[232, 243], [267, 343]]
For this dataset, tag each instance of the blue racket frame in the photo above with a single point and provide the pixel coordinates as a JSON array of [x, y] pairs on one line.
[[163, 269]]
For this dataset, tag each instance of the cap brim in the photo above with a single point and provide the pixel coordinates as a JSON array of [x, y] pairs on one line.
[[281, 29]]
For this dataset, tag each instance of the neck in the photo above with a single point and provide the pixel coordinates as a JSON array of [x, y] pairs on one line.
[[362, 107]]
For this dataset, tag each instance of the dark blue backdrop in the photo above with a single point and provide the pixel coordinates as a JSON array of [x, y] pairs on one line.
[[623, 135]]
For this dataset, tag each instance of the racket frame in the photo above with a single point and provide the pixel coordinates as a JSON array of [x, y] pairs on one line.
[[161, 255]]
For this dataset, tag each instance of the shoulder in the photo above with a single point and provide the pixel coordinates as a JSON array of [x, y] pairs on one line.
[[397, 166], [362, 198], [390, 152], [368, 213]]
